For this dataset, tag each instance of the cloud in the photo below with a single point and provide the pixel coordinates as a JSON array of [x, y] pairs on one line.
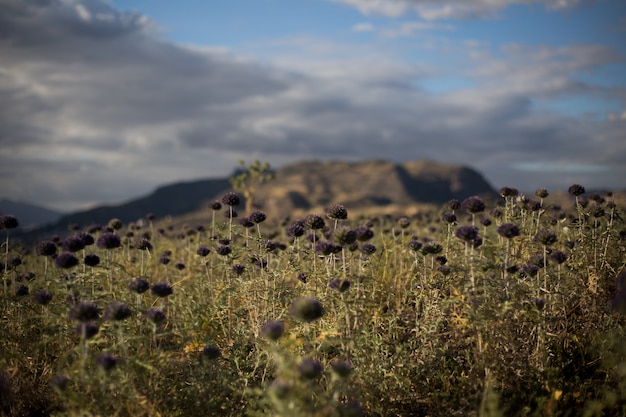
[[437, 10], [102, 109]]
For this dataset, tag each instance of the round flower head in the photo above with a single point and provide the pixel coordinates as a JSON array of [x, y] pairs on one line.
[[496, 213], [223, 250], [302, 277], [363, 233], [22, 290], [296, 229], [508, 230], [310, 369], [485, 221], [106, 361], [162, 289], [508, 192], [432, 248], [246, 222], [239, 269], [66, 260], [155, 315], [467, 233], [306, 309], [542, 193], [336, 212], [42, 297], [231, 199], [46, 248], [117, 311], [85, 311], [203, 251], [138, 285], [231, 214], [546, 237], [403, 222], [115, 224], [109, 240], [180, 266], [344, 236], [73, 244], [448, 217], [257, 217], [8, 222], [143, 244], [215, 205], [91, 260], [89, 330], [558, 256], [454, 204], [368, 249], [325, 248], [473, 205], [164, 259], [340, 285], [211, 352], [576, 190], [273, 330], [315, 222], [415, 245]]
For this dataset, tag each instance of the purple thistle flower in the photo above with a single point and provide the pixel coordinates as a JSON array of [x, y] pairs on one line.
[[485, 221], [73, 244], [179, 265], [273, 330], [542, 193], [117, 311], [508, 230], [59, 382], [315, 222], [223, 250], [46, 248], [91, 260], [86, 238], [467, 233], [403, 222], [302, 277], [344, 236], [238, 269], [576, 190], [22, 290], [473, 205], [297, 228], [448, 217], [415, 245], [363, 233], [231, 199], [339, 284], [368, 249], [89, 330], [138, 285], [336, 212], [215, 205], [203, 251], [115, 224], [8, 221], [164, 259], [546, 237], [143, 244], [306, 309], [257, 217], [310, 369], [508, 192], [343, 369], [325, 248], [558, 256], [109, 240], [84, 311], [162, 289], [432, 248], [42, 297], [66, 260], [454, 204], [155, 315], [246, 222]]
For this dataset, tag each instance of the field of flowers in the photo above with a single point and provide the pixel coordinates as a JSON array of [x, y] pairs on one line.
[[512, 308]]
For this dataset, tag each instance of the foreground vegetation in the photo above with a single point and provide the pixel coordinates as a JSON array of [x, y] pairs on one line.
[[466, 310]]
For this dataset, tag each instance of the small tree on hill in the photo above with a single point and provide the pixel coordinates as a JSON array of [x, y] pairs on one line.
[[247, 181]]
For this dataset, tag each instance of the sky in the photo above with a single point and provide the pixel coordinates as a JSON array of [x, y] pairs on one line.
[[102, 101]]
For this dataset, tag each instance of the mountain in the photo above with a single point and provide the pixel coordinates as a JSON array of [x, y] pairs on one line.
[[29, 215], [303, 186], [311, 185]]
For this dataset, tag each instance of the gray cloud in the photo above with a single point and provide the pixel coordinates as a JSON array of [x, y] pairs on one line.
[[101, 109]]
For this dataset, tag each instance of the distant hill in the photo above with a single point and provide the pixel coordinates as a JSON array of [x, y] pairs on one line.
[[307, 185], [29, 215]]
